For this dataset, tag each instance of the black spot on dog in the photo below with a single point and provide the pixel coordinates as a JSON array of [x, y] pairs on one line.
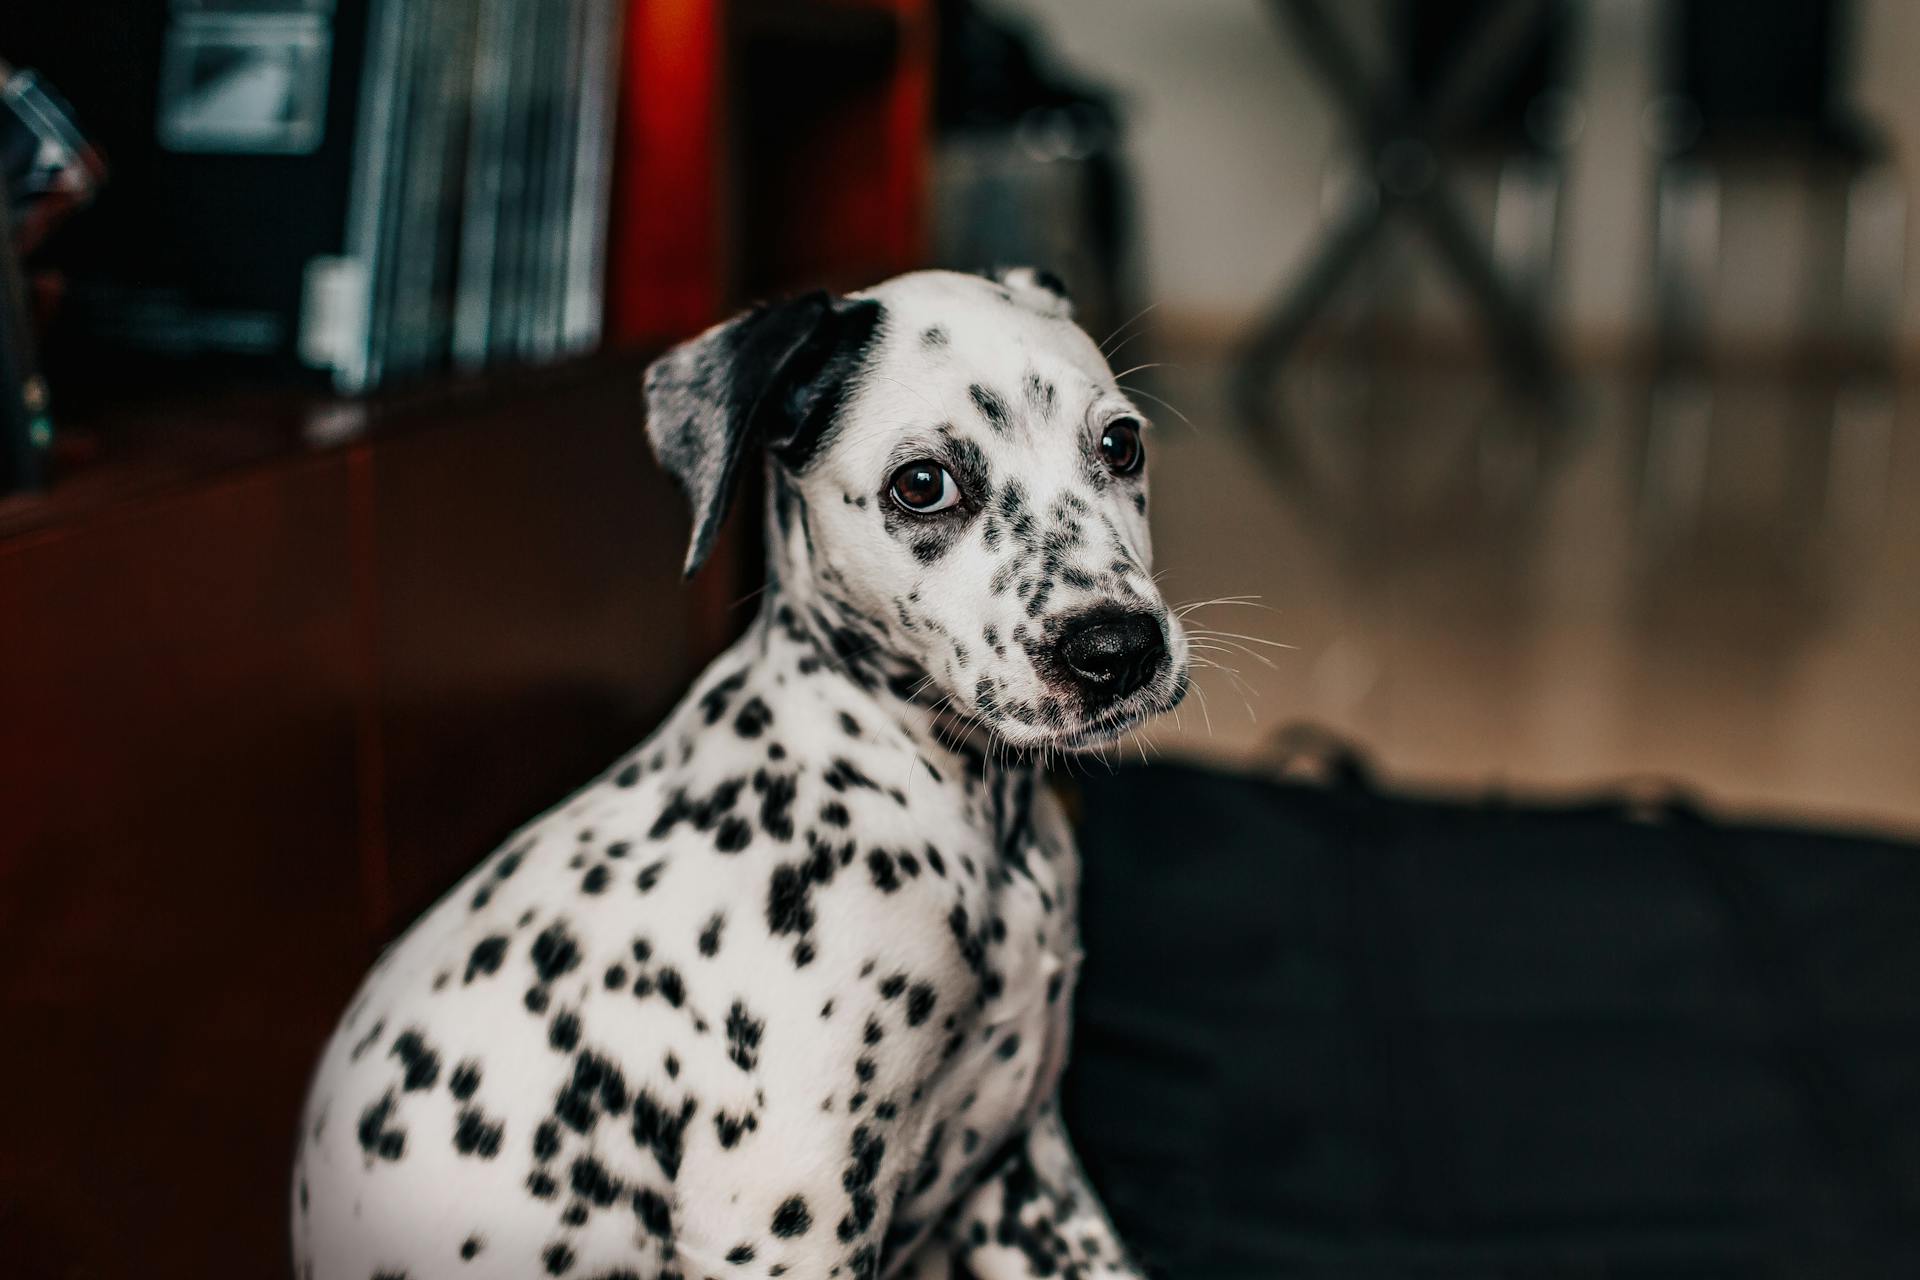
[[554, 953], [753, 719], [992, 408], [1052, 283], [710, 935], [792, 1218], [595, 881], [776, 806], [865, 1153], [739, 1254], [591, 1182], [673, 989], [465, 1080], [475, 1135], [470, 1248], [661, 1131], [558, 1258], [1041, 394], [920, 1002], [367, 1041], [422, 1063], [486, 956], [714, 702], [934, 336], [376, 1138], [843, 775], [730, 1129], [734, 835], [743, 1036], [880, 864], [788, 907], [654, 1213]]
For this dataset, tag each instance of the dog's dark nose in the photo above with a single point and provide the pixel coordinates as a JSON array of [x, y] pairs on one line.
[[1112, 655]]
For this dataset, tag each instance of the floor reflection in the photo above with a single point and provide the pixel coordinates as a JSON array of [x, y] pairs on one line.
[[1714, 583]]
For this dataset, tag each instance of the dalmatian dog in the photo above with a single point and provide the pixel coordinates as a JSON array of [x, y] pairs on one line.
[[785, 991]]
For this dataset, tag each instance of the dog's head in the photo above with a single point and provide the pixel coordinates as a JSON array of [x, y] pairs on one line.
[[957, 497]]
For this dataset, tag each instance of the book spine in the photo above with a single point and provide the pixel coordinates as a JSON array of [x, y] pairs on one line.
[[355, 368]]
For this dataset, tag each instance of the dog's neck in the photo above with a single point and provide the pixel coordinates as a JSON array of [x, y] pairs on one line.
[[814, 638]]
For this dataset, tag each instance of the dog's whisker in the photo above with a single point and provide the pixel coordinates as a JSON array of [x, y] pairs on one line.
[[1136, 391], [1156, 364], [1235, 635], [1127, 323], [1249, 602]]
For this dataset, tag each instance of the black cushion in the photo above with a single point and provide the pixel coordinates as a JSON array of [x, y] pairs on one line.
[[1326, 1030]]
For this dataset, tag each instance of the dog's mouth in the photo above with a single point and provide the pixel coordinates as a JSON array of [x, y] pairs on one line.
[[1115, 722], [1095, 730], [1008, 737]]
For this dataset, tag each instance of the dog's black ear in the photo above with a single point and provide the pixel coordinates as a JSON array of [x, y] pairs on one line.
[[773, 377], [1035, 288]]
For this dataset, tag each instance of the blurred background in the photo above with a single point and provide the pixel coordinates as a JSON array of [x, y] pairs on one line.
[[1532, 393]]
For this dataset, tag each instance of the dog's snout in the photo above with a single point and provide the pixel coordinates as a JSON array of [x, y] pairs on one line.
[[1113, 655]]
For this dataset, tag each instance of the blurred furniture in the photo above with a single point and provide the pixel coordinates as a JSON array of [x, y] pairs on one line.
[[1029, 164], [1352, 1032], [1755, 98], [760, 146], [766, 145], [1461, 71], [277, 671], [47, 169]]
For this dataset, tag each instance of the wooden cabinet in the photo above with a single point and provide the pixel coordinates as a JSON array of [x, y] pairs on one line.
[[255, 721]]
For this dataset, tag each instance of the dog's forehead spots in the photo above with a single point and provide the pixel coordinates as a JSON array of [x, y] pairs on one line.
[[943, 317], [992, 407]]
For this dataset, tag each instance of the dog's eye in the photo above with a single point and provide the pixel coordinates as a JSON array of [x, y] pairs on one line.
[[924, 487], [1120, 447]]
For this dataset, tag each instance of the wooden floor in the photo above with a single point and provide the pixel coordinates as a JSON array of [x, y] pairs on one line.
[[1713, 585]]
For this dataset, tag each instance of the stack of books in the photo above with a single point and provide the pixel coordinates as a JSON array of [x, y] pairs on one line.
[[352, 192], [477, 204]]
